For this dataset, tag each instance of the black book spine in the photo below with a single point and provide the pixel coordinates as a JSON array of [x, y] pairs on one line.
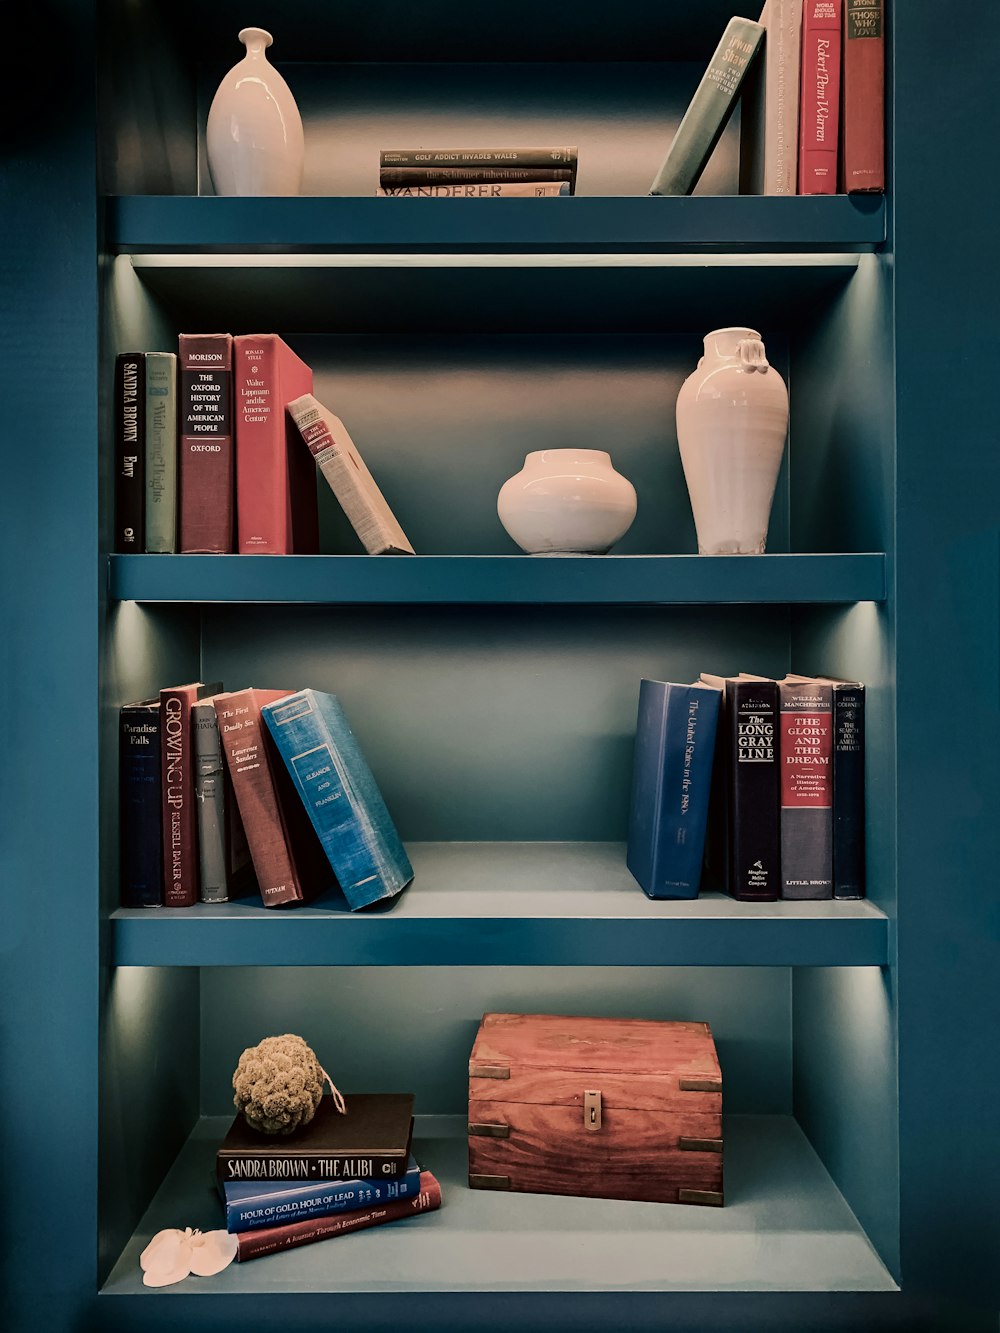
[[848, 791], [141, 806], [238, 1167], [130, 446], [754, 791]]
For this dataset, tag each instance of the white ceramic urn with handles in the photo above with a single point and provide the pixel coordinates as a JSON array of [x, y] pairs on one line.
[[732, 423], [567, 501], [254, 133]]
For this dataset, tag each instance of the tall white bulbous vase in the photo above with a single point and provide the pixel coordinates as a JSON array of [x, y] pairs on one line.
[[732, 423], [254, 133]]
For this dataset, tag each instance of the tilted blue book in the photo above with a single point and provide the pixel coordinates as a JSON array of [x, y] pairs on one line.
[[341, 797], [258, 1204], [671, 776]]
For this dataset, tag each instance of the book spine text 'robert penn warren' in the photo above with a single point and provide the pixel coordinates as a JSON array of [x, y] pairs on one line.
[[130, 451], [819, 115], [269, 1240], [206, 442], [161, 452], [709, 109]]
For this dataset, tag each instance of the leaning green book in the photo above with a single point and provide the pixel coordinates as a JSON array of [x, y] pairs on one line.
[[161, 452], [709, 109]]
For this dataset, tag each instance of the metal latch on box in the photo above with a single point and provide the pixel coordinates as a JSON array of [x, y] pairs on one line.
[[592, 1109]]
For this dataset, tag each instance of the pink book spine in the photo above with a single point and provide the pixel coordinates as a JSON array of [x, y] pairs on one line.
[[275, 477], [205, 430], [819, 121]]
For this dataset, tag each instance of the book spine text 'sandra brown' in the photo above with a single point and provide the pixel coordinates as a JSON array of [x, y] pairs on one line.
[[205, 446], [130, 452]]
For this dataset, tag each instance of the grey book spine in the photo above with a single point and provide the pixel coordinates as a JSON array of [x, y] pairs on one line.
[[161, 453], [213, 858]]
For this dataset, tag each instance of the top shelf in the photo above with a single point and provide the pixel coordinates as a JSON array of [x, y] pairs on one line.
[[698, 225]]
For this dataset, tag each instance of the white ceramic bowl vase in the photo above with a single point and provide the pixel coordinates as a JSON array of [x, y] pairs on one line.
[[254, 133], [567, 501]]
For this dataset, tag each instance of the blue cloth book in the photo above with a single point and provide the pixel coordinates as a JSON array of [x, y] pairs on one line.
[[340, 795], [671, 776], [254, 1204]]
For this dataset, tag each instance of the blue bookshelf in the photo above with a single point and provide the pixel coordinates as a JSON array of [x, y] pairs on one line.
[[842, 224], [500, 580], [510, 905]]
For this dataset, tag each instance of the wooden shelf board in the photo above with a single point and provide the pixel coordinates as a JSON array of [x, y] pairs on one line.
[[499, 579], [736, 224], [785, 1227], [509, 903]]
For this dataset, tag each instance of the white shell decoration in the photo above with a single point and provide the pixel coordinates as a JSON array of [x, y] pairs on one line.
[[172, 1254]]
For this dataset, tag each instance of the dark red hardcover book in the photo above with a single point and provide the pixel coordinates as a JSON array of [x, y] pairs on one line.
[[130, 452], [276, 512], [205, 452], [863, 97], [819, 118], [269, 1240], [287, 857], [806, 752], [177, 767]]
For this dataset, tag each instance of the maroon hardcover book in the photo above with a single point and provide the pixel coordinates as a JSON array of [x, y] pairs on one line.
[[205, 472], [819, 115], [276, 512], [863, 97], [269, 1240], [287, 857], [177, 768]]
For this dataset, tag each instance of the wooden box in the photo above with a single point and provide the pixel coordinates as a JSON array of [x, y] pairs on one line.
[[605, 1107]]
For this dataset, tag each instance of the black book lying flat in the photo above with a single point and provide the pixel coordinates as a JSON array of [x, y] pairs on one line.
[[370, 1142]]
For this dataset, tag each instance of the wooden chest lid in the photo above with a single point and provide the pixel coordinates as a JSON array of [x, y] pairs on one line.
[[632, 1047]]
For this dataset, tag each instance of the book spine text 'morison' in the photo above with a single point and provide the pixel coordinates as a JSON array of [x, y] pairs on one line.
[[205, 461], [819, 114]]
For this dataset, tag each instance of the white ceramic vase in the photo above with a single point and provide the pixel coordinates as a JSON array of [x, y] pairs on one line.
[[732, 422], [567, 501], [254, 133]]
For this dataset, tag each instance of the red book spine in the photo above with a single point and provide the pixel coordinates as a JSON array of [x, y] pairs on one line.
[[269, 1240], [180, 847], [275, 476], [806, 754], [819, 121], [863, 95], [205, 364], [250, 769]]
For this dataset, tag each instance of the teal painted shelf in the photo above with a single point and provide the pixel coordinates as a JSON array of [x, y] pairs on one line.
[[509, 904], [736, 224], [483, 1241], [499, 579]]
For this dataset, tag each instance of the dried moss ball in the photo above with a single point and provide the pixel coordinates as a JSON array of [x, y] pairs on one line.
[[278, 1084]]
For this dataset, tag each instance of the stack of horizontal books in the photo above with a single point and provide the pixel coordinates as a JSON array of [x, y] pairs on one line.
[[477, 173], [340, 1173]]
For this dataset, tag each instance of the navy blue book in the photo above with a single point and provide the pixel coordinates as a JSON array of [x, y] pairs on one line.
[[259, 1203], [671, 778], [341, 797], [140, 804]]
